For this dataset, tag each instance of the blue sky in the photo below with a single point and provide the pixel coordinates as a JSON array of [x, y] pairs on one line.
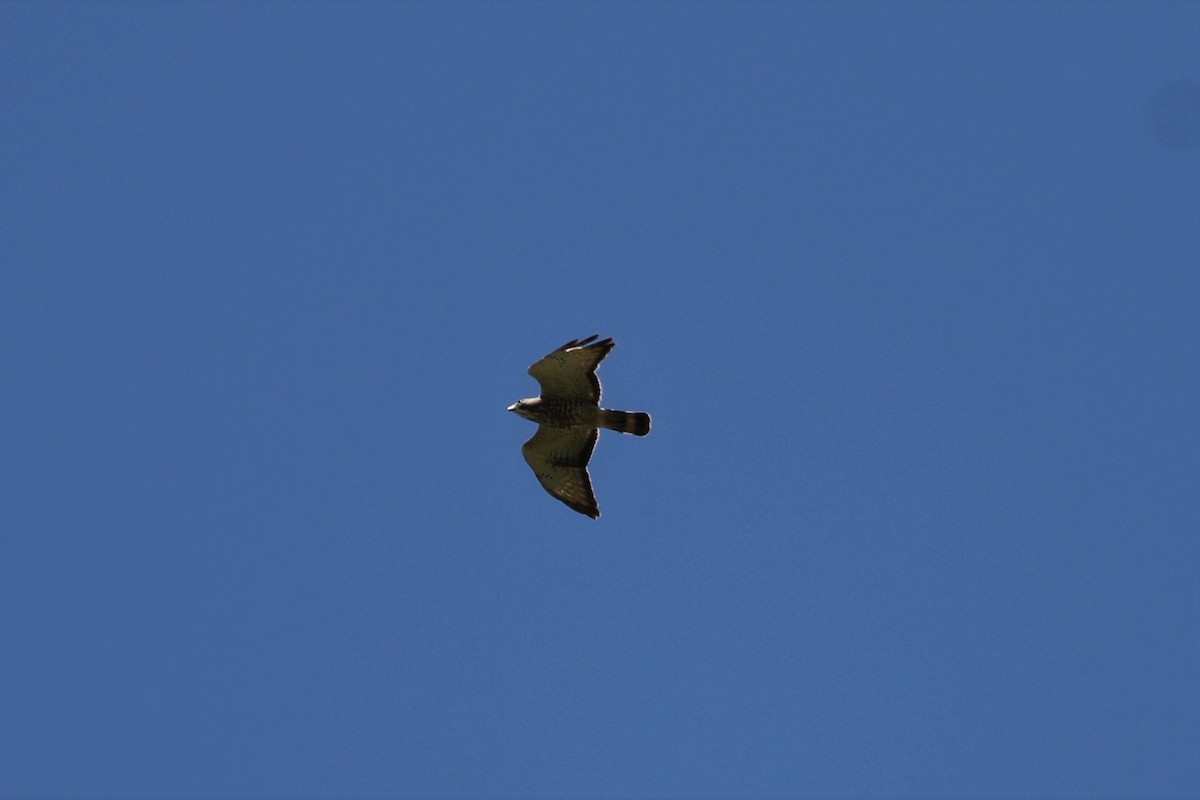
[[911, 290]]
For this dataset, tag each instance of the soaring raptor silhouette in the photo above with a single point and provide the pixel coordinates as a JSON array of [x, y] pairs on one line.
[[569, 419]]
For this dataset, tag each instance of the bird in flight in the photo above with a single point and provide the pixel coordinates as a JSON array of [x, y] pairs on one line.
[[569, 419]]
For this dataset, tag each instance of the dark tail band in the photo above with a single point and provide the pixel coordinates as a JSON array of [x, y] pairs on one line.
[[634, 422]]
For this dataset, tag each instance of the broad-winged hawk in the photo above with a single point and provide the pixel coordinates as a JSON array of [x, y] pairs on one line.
[[569, 419]]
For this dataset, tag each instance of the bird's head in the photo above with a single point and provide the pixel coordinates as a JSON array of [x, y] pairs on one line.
[[524, 408]]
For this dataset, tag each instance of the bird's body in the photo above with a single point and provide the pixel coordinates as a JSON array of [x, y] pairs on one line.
[[568, 414], [569, 417]]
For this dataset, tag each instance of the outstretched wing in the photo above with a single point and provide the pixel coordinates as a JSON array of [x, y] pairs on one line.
[[570, 371], [559, 457]]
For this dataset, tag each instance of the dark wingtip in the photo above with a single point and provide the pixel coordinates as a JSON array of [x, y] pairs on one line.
[[592, 511], [590, 343], [579, 342]]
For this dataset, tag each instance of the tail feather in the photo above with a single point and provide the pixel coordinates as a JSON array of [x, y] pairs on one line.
[[634, 422]]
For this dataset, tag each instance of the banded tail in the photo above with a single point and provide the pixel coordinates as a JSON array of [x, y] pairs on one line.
[[634, 422]]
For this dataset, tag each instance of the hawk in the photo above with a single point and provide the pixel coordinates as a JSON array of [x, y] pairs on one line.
[[569, 419]]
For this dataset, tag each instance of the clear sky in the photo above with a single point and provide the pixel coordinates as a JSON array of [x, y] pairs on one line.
[[912, 291]]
